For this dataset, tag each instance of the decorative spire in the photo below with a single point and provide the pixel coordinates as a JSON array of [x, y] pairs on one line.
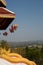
[[2, 3]]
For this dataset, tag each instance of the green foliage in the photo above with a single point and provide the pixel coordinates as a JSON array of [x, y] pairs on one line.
[[41, 51], [32, 53], [27, 52], [4, 44]]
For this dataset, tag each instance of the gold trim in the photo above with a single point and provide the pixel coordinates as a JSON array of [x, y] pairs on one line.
[[15, 58], [7, 16], [18, 60]]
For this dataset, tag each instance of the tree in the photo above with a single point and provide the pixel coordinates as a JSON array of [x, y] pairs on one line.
[[4, 44], [42, 51]]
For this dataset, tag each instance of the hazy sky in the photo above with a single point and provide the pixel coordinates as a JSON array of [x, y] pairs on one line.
[[29, 17]]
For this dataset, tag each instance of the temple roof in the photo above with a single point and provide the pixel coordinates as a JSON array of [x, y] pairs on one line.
[[2, 3], [6, 17], [5, 13]]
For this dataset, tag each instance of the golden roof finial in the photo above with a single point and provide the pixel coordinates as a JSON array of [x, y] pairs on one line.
[[2, 3]]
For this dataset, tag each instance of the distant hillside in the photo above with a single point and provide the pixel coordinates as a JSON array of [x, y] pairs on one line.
[[16, 44]]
